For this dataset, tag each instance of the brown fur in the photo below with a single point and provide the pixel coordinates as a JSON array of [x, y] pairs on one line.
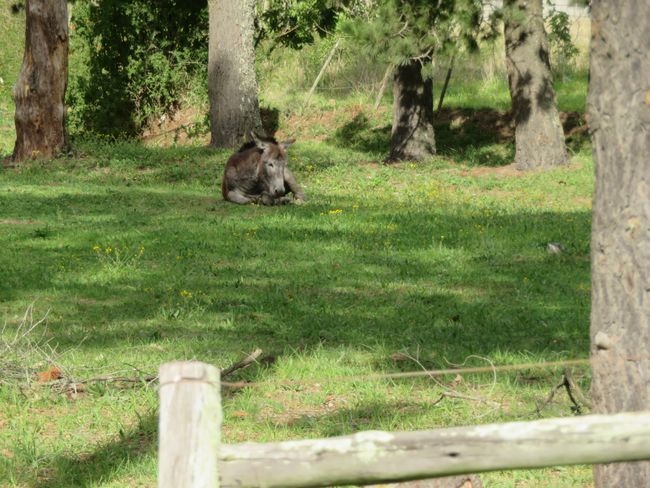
[[258, 173]]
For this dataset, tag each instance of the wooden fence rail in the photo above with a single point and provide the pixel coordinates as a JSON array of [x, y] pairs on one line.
[[190, 455]]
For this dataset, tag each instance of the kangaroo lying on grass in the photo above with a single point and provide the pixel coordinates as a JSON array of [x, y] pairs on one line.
[[258, 173]]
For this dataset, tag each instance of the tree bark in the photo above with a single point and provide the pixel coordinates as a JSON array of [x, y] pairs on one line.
[[412, 136], [40, 90], [539, 137], [619, 117], [232, 84]]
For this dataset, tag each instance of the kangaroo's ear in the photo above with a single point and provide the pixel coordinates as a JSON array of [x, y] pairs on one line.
[[286, 144], [259, 142]]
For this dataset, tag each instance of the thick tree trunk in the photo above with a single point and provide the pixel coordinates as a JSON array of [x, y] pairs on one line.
[[619, 116], [539, 137], [232, 84], [40, 89], [412, 136]]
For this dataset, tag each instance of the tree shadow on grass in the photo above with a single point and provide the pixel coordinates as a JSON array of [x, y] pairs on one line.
[[255, 280], [440, 278], [360, 135], [473, 137], [483, 137], [105, 461]]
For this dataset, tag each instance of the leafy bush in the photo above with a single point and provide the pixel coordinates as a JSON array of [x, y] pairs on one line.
[[563, 50], [131, 61]]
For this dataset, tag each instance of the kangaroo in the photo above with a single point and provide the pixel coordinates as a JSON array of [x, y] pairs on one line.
[[258, 173]]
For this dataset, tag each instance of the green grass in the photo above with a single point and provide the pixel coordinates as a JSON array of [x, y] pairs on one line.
[[493, 93], [13, 32], [442, 261], [133, 259]]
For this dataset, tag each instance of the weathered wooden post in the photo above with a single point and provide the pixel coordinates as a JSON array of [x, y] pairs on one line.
[[189, 425]]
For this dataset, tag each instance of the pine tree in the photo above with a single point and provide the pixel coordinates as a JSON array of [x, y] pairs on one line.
[[409, 34]]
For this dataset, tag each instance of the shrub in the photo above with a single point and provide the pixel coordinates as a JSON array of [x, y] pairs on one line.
[[131, 61]]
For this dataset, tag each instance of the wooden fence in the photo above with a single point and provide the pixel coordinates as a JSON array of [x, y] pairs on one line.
[[191, 456]]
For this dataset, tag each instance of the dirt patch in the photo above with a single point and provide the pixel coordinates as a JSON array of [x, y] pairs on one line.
[[574, 124], [177, 129], [320, 125], [20, 222], [490, 121], [582, 201], [501, 171]]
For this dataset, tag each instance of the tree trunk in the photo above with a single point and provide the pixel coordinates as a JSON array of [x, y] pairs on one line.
[[40, 89], [619, 116], [232, 84], [412, 136], [539, 137]]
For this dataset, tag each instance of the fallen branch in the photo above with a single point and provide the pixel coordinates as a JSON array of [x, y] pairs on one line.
[[573, 392], [26, 345], [460, 396], [450, 392], [69, 384], [243, 363], [573, 389]]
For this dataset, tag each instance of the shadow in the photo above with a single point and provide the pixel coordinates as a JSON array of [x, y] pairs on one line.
[[284, 284], [105, 460], [358, 134], [215, 278], [270, 120], [576, 131], [483, 137], [472, 137]]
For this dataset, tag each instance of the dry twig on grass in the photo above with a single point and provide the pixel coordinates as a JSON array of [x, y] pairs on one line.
[[578, 399], [26, 350], [68, 384], [27, 359], [450, 391]]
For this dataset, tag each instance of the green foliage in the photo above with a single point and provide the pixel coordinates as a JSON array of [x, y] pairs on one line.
[[132, 61], [400, 31], [297, 23], [563, 50], [294, 23], [12, 35]]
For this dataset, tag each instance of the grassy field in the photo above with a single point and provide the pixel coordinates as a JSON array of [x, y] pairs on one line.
[[133, 259], [123, 256]]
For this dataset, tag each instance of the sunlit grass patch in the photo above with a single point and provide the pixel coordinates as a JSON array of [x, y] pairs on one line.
[[137, 260], [386, 268]]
